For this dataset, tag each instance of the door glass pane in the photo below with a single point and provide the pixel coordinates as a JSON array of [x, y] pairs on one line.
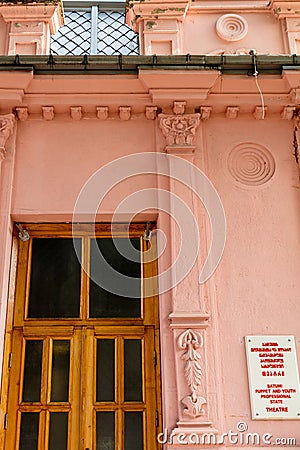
[[133, 433], [58, 435], [55, 279], [111, 297], [29, 431], [60, 371], [133, 370], [105, 433], [105, 370], [32, 371]]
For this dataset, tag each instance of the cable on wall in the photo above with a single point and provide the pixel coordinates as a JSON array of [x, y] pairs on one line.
[[255, 74]]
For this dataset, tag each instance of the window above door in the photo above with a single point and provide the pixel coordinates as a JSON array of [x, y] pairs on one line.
[[88, 277]]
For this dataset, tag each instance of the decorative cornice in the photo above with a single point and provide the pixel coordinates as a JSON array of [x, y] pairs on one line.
[[284, 9], [188, 320], [50, 12], [178, 129], [139, 10], [228, 5], [7, 123]]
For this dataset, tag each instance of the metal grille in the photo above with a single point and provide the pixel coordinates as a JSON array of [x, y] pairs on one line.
[[103, 33], [114, 36], [75, 36]]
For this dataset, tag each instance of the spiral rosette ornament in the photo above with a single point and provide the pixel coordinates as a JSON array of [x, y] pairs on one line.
[[251, 164], [231, 27]]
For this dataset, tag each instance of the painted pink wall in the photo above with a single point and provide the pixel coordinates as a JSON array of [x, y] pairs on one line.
[[255, 289], [3, 36], [257, 283], [59, 157], [200, 37]]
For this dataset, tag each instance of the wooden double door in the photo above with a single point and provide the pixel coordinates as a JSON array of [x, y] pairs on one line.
[[82, 362]]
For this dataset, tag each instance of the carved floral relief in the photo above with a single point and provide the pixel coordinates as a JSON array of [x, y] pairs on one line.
[[191, 341], [179, 129]]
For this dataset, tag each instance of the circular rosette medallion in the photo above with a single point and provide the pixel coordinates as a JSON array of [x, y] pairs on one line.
[[251, 164], [231, 27]]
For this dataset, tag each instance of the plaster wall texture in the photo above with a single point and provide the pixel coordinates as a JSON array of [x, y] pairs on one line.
[[69, 153], [256, 287], [256, 284], [3, 36], [250, 161], [264, 33]]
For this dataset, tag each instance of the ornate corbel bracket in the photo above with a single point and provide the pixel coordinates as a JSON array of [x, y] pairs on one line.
[[7, 123], [179, 131]]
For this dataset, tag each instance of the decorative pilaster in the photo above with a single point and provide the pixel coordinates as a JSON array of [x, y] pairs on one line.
[[30, 26], [159, 25], [288, 12], [191, 341], [7, 123], [195, 414], [189, 337]]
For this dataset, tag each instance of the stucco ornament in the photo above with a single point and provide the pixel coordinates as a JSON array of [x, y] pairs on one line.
[[124, 112], [193, 407], [48, 112], [231, 27], [190, 341], [179, 129], [7, 123], [76, 112], [251, 164], [22, 113]]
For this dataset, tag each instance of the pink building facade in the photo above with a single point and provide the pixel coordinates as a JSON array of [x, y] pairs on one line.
[[197, 136]]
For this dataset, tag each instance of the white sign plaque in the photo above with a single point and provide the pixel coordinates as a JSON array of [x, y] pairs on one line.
[[273, 377]]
